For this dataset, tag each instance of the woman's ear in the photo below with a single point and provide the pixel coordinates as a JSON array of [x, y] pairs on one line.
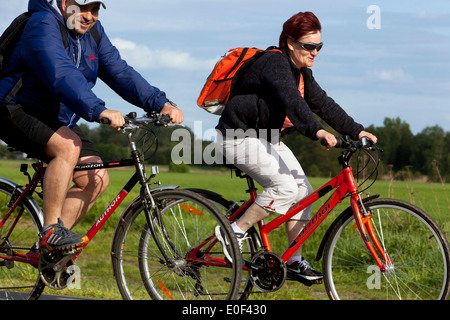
[[290, 44]]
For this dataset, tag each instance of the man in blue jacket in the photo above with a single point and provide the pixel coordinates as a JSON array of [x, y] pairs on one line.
[[50, 90]]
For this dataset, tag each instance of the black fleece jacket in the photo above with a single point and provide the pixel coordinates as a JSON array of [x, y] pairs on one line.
[[268, 91]]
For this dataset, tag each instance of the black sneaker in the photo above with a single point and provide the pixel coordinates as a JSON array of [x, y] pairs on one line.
[[303, 272], [56, 237], [226, 245]]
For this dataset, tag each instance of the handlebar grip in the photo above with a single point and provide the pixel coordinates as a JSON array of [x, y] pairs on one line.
[[339, 143], [105, 121], [164, 120]]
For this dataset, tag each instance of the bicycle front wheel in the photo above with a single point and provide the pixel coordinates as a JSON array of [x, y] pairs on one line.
[[412, 241], [194, 266], [19, 279]]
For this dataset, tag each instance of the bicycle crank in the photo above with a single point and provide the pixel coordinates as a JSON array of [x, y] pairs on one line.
[[267, 271], [56, 269]]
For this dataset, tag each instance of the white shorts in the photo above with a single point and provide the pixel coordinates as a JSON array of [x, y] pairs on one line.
[[275, 168]]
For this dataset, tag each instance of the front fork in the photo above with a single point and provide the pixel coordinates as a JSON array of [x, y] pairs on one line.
[[365, 227]]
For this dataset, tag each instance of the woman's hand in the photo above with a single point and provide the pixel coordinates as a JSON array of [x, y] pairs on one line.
[[328, 137], [368, 135]]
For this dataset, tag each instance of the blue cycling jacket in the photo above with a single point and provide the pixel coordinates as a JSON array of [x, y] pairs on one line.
[[58, 79]]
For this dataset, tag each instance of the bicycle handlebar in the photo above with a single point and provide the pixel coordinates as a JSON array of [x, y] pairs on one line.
[[345, 143], [131, 120], [338, 144]]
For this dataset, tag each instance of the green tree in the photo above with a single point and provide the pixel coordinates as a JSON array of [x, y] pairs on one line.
[[396, 139], [431, 146]]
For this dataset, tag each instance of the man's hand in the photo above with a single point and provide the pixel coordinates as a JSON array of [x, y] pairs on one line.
[[115, 117], [175, 114]]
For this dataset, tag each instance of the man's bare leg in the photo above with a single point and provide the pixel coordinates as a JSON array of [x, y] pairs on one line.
[[88, 186], [64, 149]]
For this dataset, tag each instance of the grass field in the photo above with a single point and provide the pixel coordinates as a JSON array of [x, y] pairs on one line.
[[95, 263]]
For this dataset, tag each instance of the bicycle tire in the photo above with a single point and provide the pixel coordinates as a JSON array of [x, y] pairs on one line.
[[413, 241], [18, 280], [249, 245], [188, 219]]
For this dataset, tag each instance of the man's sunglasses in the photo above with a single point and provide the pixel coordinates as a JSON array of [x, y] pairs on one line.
[[310, 46]]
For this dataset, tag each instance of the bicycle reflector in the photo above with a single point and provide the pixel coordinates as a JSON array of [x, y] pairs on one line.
[[190, 209]]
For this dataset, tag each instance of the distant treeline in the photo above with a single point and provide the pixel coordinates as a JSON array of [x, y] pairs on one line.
[[405, 155]]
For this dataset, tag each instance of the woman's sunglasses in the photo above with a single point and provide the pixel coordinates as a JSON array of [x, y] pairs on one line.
[[310, 46]]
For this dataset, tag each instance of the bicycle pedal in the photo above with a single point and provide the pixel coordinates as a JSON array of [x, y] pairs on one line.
[[71, 251], [306, 282], [64, 250], [309, 283]]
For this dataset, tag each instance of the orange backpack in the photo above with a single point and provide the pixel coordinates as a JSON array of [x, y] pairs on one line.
[[220, 83]]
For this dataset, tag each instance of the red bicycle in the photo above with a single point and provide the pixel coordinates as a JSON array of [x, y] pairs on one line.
[[154, 237], [375, 249]]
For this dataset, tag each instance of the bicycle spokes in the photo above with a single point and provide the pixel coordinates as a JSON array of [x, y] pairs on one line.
[[188, 263], [415, 256]]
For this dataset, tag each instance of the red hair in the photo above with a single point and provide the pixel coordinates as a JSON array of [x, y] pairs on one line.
[[298, 26]]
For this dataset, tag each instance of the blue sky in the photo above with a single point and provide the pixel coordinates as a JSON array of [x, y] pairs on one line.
[[400, 70]]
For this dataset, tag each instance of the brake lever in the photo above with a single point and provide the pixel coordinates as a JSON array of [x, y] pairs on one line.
[[367, 143], [165, 121]]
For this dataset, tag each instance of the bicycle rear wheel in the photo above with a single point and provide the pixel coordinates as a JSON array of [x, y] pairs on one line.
[[411, 239], [19, 279], [249, 245], [196, 266]]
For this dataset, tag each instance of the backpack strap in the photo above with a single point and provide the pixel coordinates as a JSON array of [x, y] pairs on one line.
[[95, 35], [64, 34], [14, 90]]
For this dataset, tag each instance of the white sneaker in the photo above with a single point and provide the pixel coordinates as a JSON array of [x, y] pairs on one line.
[[226, 245]]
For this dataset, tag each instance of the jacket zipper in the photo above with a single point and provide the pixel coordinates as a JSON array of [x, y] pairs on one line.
[[77, 64], [79, 52], [71, 120]]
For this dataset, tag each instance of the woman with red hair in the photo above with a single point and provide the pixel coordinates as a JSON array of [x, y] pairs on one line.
[[276, 95]]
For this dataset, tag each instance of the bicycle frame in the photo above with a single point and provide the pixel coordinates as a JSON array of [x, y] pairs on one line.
[[343, 184], [33, 258], [30, 188], [115, 203]]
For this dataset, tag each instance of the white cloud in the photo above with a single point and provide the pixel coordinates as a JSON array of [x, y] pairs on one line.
[[393, 75], [143, 57]]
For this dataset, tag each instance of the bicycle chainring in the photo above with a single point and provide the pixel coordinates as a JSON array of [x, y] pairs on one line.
[[268, 271], [53, 269]]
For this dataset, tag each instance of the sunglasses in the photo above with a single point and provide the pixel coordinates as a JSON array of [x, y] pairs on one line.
[[310, 46]]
